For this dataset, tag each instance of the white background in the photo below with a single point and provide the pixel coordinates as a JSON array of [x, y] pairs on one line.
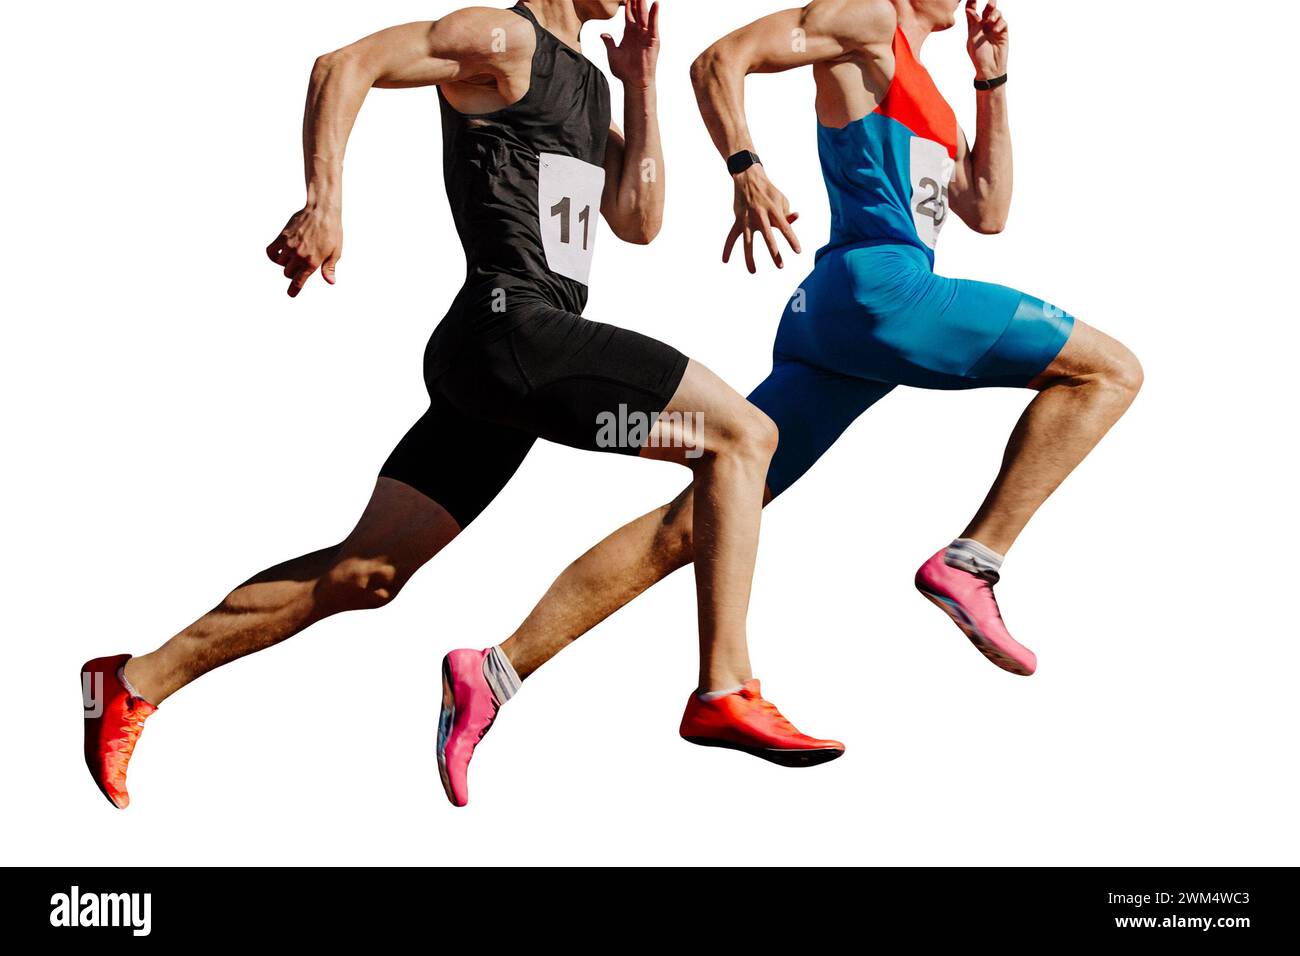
[[173, 423]]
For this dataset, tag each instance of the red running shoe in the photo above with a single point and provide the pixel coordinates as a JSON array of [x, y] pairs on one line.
[[746, 722], [114, 719]]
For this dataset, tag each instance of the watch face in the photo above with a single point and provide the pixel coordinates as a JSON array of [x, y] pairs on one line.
[[742, 161]]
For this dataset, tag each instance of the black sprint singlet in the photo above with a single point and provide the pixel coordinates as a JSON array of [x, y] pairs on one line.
[[525, 184], [514, 360]]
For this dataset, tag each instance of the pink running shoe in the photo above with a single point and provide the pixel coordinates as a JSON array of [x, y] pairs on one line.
[[468, 709], [968, 599]]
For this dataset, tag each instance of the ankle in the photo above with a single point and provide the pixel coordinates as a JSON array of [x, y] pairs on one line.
[[141, 680], [719, 683], [500, 674], [524, 659], [711, 695], [997, 539], [974, 557]]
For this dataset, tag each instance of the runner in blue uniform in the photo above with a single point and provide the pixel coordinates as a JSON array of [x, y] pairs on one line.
[[874, 315]]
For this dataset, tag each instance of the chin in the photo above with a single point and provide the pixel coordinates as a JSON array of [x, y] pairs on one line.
[[606, 9]]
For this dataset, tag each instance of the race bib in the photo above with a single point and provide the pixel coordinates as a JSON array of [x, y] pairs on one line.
[[932, 171], [568, 201]]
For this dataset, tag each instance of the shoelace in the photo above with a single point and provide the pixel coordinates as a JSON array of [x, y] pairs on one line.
[[496, 709], [988, 575], [988, 579], [776, 716], [130, 728]]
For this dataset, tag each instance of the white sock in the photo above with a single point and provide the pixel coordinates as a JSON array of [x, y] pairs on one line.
[[707, 696], [971, 556], [500, 675], [121, 676]]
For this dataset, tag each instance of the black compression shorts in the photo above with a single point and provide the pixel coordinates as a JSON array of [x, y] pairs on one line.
[[553, 376]]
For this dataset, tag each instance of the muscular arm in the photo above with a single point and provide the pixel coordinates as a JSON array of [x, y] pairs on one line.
[[633, 203], [457, 47], [462, 48], [825, 31], [981, 189]]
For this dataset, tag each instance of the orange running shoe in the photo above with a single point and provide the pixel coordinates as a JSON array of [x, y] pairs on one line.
[[114, 719], [745, 721]]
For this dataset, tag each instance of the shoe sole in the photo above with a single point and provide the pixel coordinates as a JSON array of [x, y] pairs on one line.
[[782, 758], [976, 636], [446, 720]]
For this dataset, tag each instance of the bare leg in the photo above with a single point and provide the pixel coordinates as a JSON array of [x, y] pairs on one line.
[[399, 531], [1081, 395], [728, 444], [610, 575]]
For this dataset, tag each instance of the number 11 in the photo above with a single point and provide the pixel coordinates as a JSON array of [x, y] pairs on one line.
[[563, 209]]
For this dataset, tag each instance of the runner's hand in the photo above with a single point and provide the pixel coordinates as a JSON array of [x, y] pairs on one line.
[[633, 61], [761, 209], [311, 240], [989, 41]]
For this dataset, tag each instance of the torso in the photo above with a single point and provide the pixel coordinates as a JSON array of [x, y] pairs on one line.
[[888, 144], [523, 165], [849, 89], [487, 93], [524, 160]]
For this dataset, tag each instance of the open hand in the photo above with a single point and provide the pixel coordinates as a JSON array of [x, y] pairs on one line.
[[760, 208]]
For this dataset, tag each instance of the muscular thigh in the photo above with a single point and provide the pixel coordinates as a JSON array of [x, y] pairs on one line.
[[812, 407], [881, 313], [403, 523], [456, 461]]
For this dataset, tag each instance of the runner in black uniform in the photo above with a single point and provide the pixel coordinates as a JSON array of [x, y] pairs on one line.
[[513, 360], [532, 161]]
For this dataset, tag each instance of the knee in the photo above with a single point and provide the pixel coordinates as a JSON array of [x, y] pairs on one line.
[[752, 436], [1122, 374], [353, 584]]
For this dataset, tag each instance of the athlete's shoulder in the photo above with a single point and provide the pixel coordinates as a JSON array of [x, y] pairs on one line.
[[856, 23], [486, 31]]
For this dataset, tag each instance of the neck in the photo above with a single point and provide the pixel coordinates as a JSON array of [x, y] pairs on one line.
[[558, 17], [916, 28]]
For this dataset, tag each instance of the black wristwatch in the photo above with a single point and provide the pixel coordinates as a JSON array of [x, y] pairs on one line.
[[985, 85], [742, 161]]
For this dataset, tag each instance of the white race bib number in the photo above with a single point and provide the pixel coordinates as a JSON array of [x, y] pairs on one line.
[[932, 171], [568, 202]]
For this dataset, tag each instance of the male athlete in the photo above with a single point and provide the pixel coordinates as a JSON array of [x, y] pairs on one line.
[[530, 157], [873, 315]]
